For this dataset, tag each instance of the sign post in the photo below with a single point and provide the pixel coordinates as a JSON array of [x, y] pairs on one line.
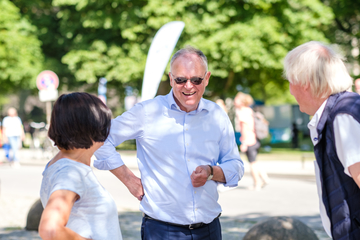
[[47, 82], [102, 89]]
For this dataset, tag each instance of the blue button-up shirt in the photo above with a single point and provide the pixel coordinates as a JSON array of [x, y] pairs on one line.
[[171, 143]]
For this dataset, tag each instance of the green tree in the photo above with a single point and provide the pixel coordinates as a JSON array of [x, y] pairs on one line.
[[104, 42], [245, 41], [55, 43], [21, 57], [345, 31]]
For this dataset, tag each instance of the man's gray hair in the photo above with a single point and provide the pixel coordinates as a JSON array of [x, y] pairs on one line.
[[190, 50], [315, 63]]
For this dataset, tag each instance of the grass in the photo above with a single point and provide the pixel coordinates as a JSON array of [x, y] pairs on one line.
[[13, 228]]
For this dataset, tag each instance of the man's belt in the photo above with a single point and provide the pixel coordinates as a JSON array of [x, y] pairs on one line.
[[190, 226]]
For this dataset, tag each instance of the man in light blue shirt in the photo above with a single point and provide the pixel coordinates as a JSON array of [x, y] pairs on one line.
[[185, 147]]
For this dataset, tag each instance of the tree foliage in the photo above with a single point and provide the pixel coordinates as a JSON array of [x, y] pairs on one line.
[[20, 52], [245, 41], [345, 31]]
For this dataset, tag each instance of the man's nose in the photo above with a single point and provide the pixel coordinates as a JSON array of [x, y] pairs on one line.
[[189, 84]]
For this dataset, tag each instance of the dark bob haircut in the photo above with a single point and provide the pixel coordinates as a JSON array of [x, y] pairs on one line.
[[78, 119]]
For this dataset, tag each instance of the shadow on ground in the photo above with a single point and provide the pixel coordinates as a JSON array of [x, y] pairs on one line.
[[130, 223], [233, 228]]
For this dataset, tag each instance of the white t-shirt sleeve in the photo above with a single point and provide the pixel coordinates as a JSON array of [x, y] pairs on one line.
[[347, 140], [68, 178]]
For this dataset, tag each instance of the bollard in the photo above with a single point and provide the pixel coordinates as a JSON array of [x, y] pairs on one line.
[[280, 228], [34, 215]]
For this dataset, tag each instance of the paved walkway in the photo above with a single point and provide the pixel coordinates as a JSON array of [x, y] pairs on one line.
[[291, 192]]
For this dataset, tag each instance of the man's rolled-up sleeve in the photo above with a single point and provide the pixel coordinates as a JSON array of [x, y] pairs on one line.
[[125, 127], [233, 171], [107, 157]]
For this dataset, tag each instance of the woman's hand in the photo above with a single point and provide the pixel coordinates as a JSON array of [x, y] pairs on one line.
[[243, 148]]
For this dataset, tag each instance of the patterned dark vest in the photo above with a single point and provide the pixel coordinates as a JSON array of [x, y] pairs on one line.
[[340, 193]]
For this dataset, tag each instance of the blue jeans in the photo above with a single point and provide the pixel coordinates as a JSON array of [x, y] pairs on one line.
[[14, 145], [155, 230]]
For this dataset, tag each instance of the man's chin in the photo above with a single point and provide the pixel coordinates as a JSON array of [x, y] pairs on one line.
[[190, 105]]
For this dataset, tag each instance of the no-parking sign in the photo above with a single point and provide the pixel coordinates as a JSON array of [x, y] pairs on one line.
[[47, 82]]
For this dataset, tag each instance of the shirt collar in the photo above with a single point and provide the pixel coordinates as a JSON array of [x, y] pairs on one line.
[[173, 105], [312, 125], [171, 101]]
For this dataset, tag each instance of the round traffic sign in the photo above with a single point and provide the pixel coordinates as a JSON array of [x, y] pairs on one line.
[[47, 80]]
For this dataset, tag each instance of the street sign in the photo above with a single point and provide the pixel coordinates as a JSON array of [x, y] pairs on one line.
[[47, 80], [48, 95]]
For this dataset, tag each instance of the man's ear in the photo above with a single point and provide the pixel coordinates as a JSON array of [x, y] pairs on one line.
[[207, 77], [171, 81], [306, 86]]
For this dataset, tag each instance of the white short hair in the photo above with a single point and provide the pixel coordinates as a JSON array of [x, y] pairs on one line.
[[190, 50], [315, 63]]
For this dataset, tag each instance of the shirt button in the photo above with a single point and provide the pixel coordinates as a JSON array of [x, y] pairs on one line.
[[195, 209], [188, 160], [187, 144], [195, 192]]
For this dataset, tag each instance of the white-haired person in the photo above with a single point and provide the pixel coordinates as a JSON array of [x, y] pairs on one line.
[[319, 82]]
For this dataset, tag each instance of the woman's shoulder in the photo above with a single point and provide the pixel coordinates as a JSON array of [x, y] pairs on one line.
[[65, 166]]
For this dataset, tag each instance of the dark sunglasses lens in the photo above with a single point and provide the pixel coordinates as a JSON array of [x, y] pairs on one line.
[[180, 80], [196, 80]]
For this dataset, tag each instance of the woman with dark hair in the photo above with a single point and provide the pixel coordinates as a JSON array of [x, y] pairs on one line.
[[76, 206]]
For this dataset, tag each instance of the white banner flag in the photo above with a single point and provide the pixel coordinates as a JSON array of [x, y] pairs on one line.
[[159, 54]]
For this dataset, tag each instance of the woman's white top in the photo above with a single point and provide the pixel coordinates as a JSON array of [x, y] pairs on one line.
[[94, 215]]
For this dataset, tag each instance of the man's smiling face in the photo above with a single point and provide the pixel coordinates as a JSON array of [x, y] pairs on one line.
[[188, 95]]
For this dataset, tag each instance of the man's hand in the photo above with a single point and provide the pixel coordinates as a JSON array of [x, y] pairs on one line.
[[200, 175], [136, 188], [132, 182]]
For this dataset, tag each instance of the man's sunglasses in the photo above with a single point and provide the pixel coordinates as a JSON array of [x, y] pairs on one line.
[[193, 80]]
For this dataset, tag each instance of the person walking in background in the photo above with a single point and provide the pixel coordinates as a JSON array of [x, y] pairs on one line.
[[222, 104], [319, 82], [76, 206], [13, 134], [249, 143], [185, 148], [294, 135]]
